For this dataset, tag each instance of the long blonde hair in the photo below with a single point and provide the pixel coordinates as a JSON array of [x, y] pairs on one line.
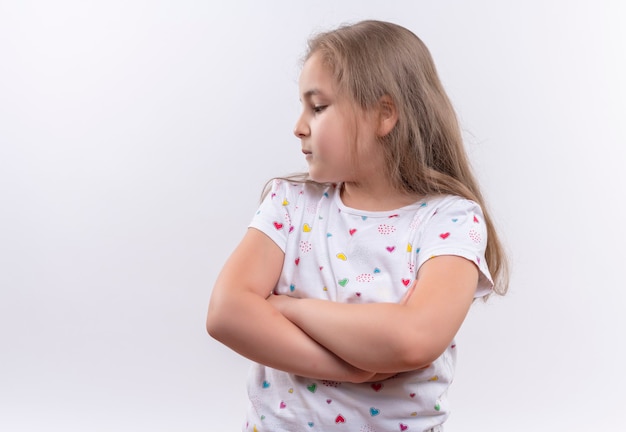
[[424, 153]]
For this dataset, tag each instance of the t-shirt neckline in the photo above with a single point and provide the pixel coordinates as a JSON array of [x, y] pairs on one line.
[[371, 213]]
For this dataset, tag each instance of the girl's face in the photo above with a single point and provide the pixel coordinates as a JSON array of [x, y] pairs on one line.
[[333, 133]]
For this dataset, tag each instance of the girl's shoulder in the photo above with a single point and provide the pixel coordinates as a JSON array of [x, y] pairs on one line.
[[439, 204]]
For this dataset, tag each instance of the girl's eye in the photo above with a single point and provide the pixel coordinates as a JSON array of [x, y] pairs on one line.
[[319, 108]]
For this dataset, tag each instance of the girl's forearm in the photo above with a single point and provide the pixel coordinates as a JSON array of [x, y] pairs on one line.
[[368, 336], [255, 329], [392, 337]]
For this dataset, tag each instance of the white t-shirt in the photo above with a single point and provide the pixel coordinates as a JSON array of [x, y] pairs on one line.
[[340, 254]]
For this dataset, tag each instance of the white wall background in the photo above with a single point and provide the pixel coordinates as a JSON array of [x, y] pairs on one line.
[[135, 137]]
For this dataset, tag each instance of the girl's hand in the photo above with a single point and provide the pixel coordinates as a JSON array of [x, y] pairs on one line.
[[281, 302], [381, 377]]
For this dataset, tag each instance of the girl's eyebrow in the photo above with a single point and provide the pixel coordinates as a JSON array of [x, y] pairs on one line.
[[313, 92]]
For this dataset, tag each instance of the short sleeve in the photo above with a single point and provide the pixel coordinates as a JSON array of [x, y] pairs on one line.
[[272, 217], [457, 227]]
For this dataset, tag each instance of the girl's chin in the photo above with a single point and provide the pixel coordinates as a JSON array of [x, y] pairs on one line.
[[320, 176], [322, 179], [316, 177]]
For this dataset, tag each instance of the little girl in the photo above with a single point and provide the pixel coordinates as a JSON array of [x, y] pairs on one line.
[[350, 284]]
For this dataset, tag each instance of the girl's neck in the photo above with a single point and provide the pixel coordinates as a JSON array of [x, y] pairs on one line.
[[374, 197]]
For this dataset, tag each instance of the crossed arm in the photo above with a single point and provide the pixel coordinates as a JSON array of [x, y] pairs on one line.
[[335, 341]]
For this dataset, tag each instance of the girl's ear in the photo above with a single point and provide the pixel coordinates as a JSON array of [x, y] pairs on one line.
[[388, 116]]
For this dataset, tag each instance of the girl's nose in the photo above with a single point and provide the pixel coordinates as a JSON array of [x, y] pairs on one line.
[[301, 129]]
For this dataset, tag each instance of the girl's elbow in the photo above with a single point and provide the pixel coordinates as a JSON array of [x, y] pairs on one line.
[[220, 309], [414, 360], [219, 330], [419, 355], [212, 325], [215, 322]]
